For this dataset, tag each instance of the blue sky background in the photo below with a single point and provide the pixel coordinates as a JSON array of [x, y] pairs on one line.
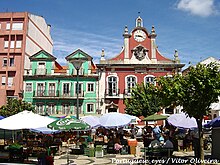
[[190, 26]]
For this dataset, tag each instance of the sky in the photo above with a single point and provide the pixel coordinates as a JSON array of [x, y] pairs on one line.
[[190, 26]]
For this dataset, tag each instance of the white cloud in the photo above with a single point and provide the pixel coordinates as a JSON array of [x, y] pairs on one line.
[[67, 41], [203, 8]]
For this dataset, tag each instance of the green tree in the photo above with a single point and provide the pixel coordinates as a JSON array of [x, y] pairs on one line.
[[15, 106], [144, 101], [194, 92]]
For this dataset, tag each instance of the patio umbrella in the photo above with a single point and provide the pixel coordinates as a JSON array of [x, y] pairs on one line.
[[114, 119], [44, 130], [182, 120], [213, 123], [93, 121], [155, 117], [134, 119], [66, 124], [24, 120]]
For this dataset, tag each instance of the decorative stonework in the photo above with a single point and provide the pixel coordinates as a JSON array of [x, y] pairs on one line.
[[139, 52]]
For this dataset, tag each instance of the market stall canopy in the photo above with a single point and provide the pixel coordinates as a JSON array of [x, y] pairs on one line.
[[114, 119], [93, 121], [155, 117], [213, 123], [24, 120], [66, 124], [182, 120]]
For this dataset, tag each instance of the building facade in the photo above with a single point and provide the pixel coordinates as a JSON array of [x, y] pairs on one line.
[[21, 35], [139, 61], [51, 88]]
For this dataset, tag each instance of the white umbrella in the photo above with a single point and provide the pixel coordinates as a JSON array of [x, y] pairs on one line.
[[25, 120], [134, 119], [93, 121], [182, 120], [114, 119]]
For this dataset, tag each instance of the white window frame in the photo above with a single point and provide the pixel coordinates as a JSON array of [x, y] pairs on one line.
[[8, 26], [150, 76], [65, 108], [41, 111], [3, 80], [51, 108], [50, 94], [43, 88], [63, 88], [6, 44], [13, 64], [80, 86], [88, 87], [126, 82], [28, 87], [10, 81], [17, 26], [92, 106], [5, 60], [117, 79], [18, 44], [12, 45]]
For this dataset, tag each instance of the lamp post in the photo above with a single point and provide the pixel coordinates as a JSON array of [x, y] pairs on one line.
[[77, 63]]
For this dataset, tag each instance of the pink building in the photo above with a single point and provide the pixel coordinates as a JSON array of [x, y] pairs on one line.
[[21, 35], [139, 61]]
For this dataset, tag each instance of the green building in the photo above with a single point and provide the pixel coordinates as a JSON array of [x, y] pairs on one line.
[[52, 88]]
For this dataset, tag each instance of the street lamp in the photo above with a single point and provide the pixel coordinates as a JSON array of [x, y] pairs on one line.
[[77, 63]]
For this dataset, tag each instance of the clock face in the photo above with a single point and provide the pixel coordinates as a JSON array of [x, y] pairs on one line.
[[139, 35]]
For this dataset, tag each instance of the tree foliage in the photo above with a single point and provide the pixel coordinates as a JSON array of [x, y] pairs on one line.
[[144, 101], [194, 92], [15, 106]]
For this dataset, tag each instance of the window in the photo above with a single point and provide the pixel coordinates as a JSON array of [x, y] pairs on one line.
[[65, 109], [80, 89], [17, 26], [28, 87], [66, 89], [11, 61], [51, 89], [150, 80], [6, 44], [51, 109], [10, 81], [131, 81], [18, 43], [112, 86], [90, 87], [12, 45], [40, 108], [8, 26], [3, 80], [5, 61], [40, 89], [90, 107]]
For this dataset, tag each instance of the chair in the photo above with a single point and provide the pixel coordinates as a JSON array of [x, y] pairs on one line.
[[99, 151]]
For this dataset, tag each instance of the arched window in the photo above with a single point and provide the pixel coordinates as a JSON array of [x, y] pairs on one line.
[[150, 79], [131, 82], [112, 86]]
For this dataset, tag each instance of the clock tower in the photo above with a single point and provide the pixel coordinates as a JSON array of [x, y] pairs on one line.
[[139, 61]]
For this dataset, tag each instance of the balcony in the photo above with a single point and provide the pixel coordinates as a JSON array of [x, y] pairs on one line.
[[112, 93], [56, 94]]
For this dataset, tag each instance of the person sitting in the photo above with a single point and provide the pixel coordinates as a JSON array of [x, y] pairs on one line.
[[168, 147], [155, 143]]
